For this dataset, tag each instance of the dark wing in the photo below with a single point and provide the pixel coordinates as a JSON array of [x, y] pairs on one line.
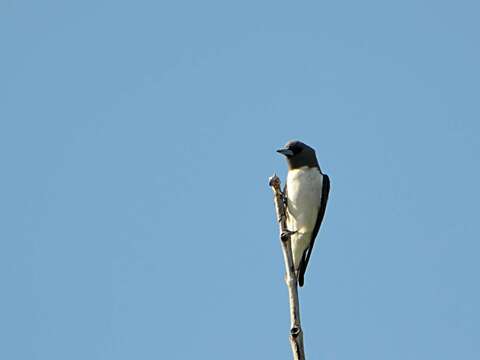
[[321, 214]]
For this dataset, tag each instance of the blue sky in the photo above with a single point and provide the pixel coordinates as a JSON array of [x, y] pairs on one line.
[[136, 140]]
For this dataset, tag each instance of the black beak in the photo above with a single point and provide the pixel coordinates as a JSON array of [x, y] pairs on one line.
[[286, 152]]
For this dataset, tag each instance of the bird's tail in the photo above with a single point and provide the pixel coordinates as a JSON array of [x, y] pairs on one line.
[[302, 267], [300, 275]]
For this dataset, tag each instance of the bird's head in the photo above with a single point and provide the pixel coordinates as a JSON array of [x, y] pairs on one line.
[[299, 154]]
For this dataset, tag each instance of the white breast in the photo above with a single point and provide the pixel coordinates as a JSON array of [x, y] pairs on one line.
[[304, 190]]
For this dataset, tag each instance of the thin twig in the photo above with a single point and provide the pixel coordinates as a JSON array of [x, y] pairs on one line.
[[296, 332]]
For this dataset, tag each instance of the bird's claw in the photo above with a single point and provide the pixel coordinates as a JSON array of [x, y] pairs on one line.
[[285, 235]]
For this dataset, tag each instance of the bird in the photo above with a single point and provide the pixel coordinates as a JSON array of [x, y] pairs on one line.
[[306, 192]]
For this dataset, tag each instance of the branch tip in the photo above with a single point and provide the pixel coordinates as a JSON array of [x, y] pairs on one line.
[[274, 181]]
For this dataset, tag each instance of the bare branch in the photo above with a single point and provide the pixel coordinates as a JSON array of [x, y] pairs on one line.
[[296, 332]]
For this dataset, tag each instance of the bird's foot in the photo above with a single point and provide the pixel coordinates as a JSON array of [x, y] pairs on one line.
[[285, 235]]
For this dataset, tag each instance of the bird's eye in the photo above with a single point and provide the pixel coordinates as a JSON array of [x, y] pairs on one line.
[[296, 149]]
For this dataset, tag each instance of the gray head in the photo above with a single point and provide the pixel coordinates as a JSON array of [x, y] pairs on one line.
[[299, 154]]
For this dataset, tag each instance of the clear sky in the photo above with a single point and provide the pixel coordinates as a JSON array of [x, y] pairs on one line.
[[136, 140]]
